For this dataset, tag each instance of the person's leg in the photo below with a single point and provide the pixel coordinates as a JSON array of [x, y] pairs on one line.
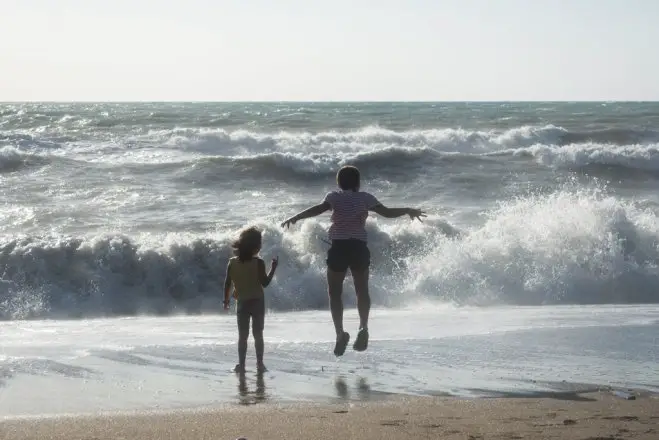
[[259, 346], [258, 320], [360, 271], [337, 266], [243, 335], [360, 279], [335, 292]]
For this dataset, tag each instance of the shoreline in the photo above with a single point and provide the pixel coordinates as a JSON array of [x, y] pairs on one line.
[[589, 415], [254, 389], [568, 393], [251, 390]]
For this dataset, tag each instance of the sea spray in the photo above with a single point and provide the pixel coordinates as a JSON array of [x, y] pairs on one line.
[[572, 246]]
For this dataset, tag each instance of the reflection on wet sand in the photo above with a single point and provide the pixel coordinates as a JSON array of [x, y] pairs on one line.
[[247, 397], [362, 387], [341, 387]]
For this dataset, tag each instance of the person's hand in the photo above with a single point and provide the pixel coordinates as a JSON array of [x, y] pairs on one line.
[[289, 221], [275, 262], [415, 213], [226, 305]]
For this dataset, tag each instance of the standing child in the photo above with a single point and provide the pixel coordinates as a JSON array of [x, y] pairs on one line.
[[349, 250], [246, 273]]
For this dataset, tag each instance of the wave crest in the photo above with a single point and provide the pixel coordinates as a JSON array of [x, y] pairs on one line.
[[306, 154], [632, 157], [567, 247], [12, 159]]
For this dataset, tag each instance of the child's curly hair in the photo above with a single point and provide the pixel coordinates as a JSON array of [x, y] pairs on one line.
[[248, 243]]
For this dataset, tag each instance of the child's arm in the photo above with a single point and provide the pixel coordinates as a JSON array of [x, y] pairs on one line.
[[227, 288], [397, 212], [310, 212], [267, 278]]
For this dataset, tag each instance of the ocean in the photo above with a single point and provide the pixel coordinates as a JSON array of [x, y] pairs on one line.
[[537, 265]]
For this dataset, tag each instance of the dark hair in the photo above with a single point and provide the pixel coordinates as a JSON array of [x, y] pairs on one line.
[[248, 243], [348, 178]]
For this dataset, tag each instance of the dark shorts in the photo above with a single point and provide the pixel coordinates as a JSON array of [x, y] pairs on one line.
[[344, 254], [254, 309]]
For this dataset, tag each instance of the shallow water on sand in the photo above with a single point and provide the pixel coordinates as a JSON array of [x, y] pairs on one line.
[[52, 367]]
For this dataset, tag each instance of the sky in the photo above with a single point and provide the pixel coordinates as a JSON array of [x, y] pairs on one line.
[[322, 50]]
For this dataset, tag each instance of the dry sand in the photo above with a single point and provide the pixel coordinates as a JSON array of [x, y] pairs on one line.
[[591, 416]]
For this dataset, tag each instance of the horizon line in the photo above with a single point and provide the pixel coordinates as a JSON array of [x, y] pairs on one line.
[[530, 101]]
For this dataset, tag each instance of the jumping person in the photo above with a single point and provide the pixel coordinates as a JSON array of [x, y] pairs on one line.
[[246, 273], [349, 249]]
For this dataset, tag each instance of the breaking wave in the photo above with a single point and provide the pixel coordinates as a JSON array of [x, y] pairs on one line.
[[573, 246]]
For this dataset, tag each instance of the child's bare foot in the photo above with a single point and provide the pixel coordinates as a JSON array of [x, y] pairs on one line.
[[239, 368], [261, 368]]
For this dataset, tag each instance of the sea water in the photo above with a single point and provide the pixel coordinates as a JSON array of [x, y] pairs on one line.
[[537, 265]]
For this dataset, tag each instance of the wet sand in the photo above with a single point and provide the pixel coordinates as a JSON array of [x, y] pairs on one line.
[[589, 416]]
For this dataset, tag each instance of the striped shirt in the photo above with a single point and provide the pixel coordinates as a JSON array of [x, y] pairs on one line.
[[349, 212]]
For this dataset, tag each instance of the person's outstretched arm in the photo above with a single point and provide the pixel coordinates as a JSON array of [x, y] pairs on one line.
[[307, 213], [397, 212]]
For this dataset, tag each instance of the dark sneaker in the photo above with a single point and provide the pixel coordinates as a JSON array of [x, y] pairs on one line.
[[361, 343], [341, 344]]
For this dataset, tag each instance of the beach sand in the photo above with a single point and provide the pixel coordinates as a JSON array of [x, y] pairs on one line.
[[590, 416]]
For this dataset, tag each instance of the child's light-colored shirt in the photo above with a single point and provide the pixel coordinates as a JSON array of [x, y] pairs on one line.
[[245, 278], [349, 213]]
